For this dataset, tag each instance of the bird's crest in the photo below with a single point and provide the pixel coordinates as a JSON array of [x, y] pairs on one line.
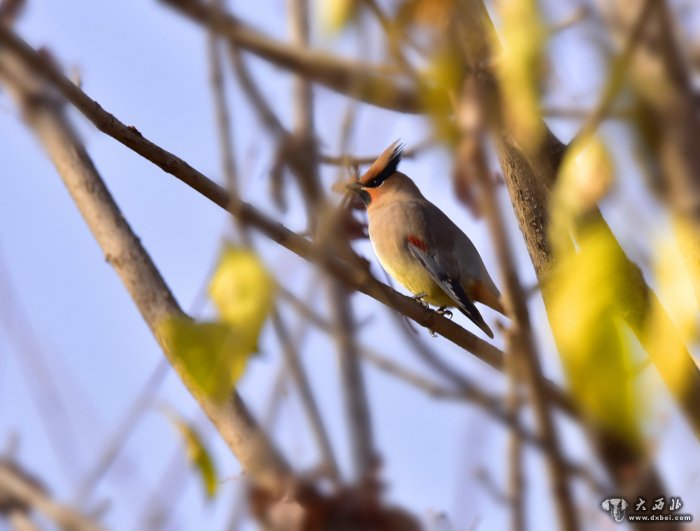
[[384, 167]]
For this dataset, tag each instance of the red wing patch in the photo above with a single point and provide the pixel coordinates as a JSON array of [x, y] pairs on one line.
[[417, 242]]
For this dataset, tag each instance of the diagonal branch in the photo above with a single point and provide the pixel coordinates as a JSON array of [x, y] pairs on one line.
[[124, 251], [18, 488], [374, 85]]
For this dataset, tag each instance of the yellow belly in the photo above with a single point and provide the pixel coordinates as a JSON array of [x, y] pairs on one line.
[[416, 280]]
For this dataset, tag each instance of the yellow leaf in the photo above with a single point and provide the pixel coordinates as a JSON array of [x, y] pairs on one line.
[[587, 298], [674, 325], [520, 68], [212, 356], [242, 291], [197, 452]]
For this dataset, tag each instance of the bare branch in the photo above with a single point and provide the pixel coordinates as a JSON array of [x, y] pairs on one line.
[[296, 370], [616, 76], [347, 160], [515, 447], [17, 485]]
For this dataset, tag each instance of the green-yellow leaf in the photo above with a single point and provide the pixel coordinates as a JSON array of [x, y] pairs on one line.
[[584, 178], [675, 325], [197, 453], [242, 291], [587, 294], [212, 356]]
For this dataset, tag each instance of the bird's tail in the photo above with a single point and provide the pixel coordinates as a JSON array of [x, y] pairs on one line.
[[476, 318]]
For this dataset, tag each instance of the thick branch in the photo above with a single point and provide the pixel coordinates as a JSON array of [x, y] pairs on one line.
[[124, 251]]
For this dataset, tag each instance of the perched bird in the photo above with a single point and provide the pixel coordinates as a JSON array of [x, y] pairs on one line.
[[418, 245]]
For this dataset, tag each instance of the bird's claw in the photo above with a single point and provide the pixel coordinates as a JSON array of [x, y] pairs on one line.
[[444, 312], [419, 299]]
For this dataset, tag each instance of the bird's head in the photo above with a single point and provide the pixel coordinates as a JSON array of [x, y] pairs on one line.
[[383, 182]]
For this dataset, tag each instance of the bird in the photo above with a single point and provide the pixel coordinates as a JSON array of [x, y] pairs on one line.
[[419, 246]]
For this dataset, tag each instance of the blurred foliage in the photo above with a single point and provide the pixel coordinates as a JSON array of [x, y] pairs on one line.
[[335, 15], [588, 295], [520, 68], [675, 289], [442, 77], [214, 354], [243, 291], [585, 176], [425, 13], [197, 453]]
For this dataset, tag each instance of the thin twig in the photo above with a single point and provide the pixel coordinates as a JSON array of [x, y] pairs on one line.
[[290, 352], [516, 496], [616, 76], [16, 484], [370, 83], [119, 437], [301, 380], [464, 389], [522, 346], [39, 378], [348, 160]]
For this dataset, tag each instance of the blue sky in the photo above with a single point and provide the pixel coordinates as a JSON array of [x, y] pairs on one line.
[[148, 66]]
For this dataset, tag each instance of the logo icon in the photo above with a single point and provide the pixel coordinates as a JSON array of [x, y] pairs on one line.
[[616, 508]]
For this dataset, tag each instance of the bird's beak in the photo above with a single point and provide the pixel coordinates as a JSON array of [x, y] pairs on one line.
[[356, 186]]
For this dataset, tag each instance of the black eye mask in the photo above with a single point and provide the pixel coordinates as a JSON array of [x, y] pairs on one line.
[[364, 195], [388, 170]]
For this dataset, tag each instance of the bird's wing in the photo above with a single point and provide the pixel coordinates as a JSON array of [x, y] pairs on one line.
[[449, 283]]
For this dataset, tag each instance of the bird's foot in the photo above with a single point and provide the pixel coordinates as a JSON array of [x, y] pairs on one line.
[[419, 299], [432, 332], [442, 310]]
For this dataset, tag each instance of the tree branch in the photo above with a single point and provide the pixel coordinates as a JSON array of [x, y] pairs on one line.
[[124, 251], [520, 339], [17, 486], [374, 85]]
